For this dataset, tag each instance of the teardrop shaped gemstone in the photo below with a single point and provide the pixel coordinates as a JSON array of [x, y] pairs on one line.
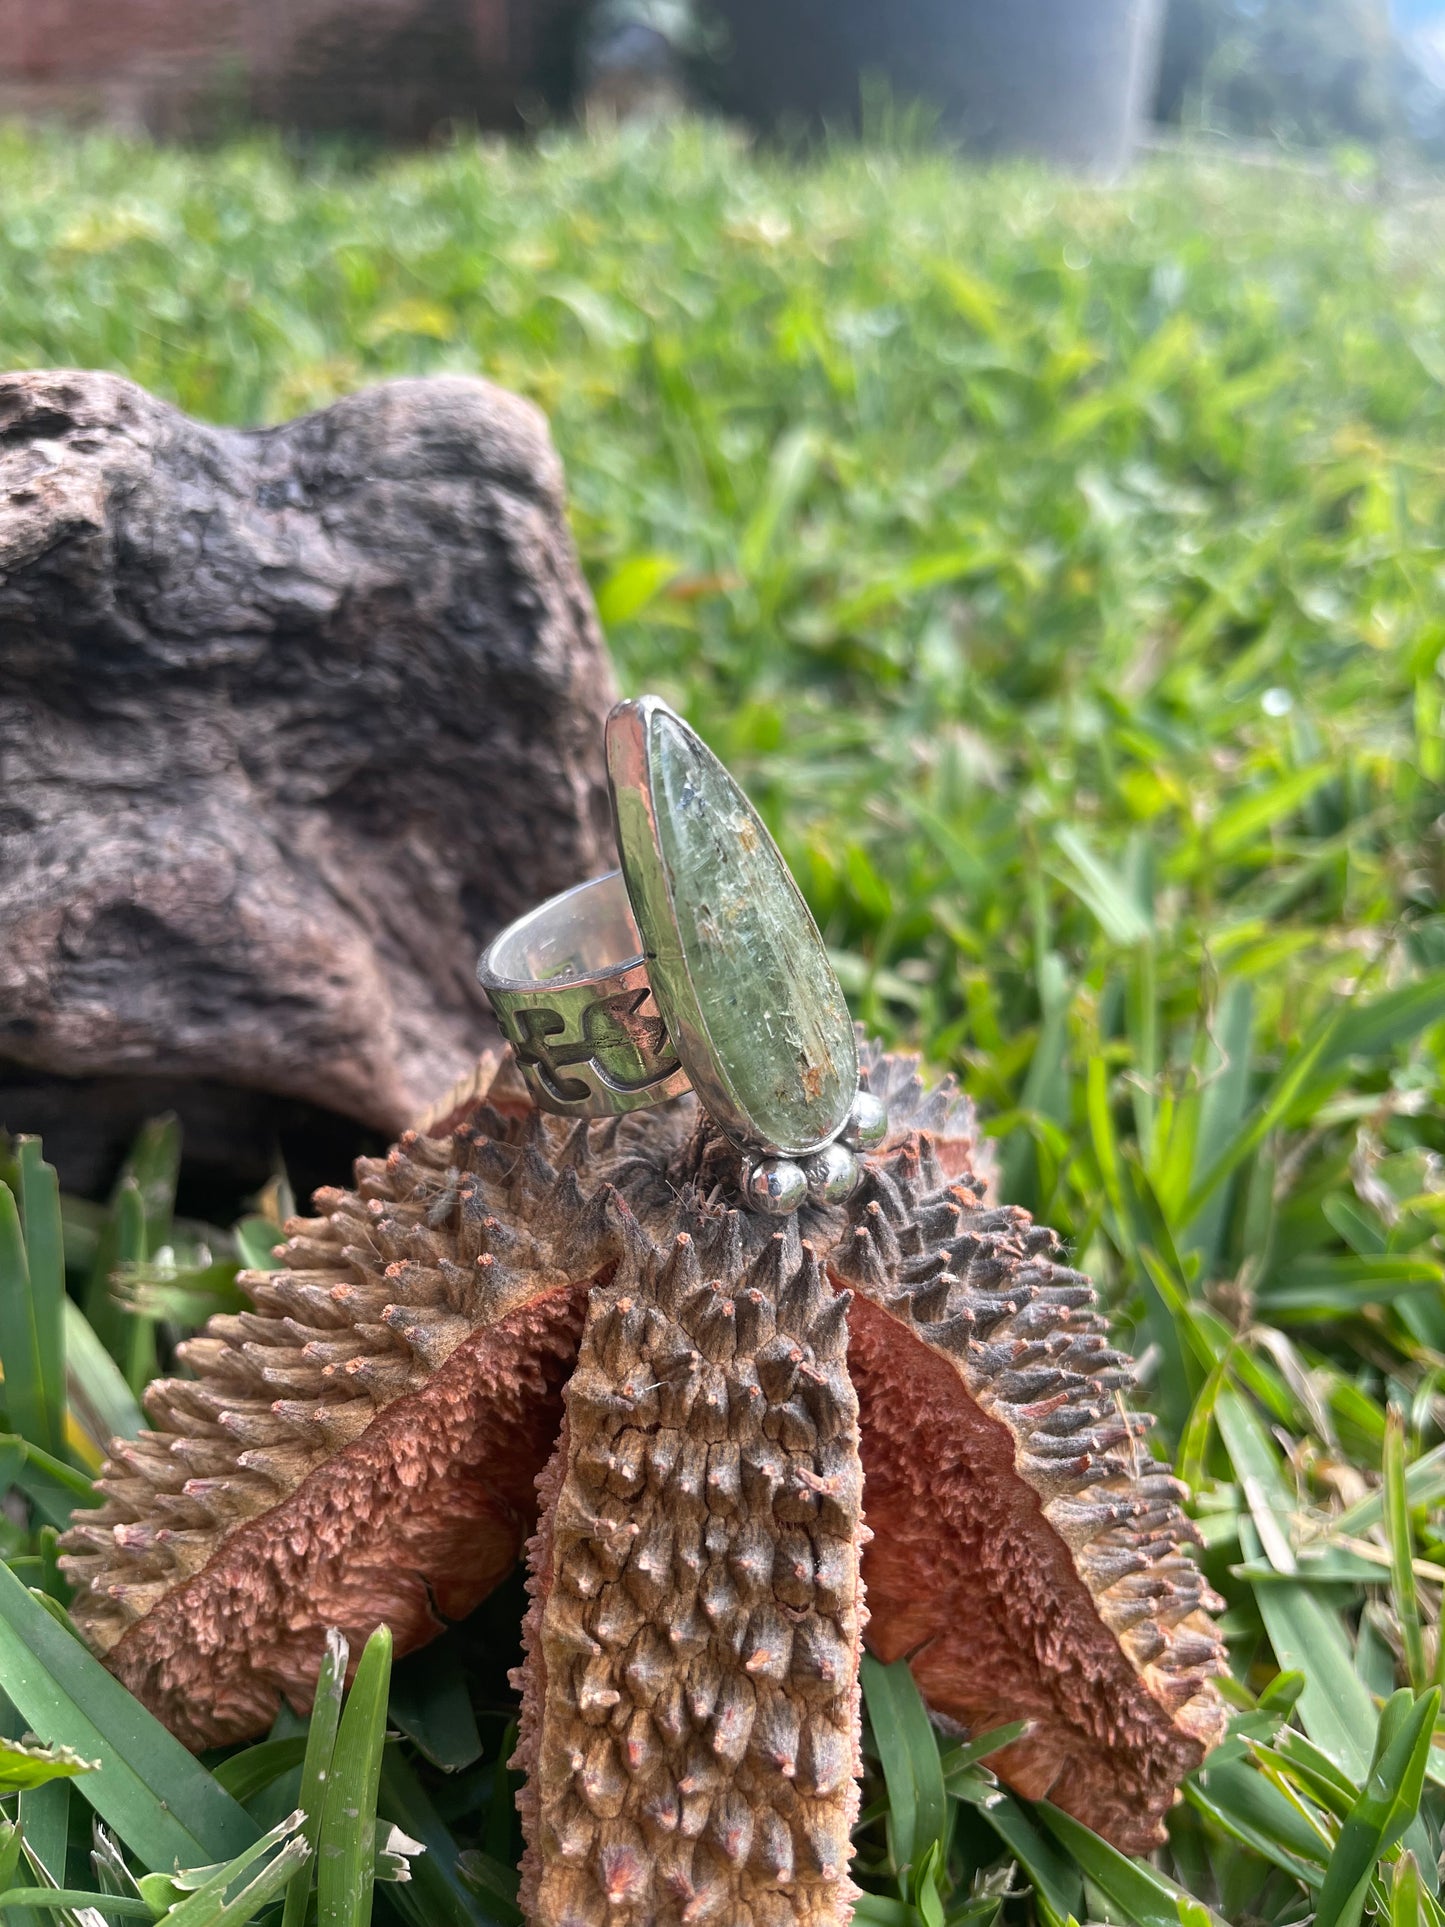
[[738, 968]]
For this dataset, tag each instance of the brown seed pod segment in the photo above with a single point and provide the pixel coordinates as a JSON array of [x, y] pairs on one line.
[[1029, 1556], [364, 1445], [690, 1695]]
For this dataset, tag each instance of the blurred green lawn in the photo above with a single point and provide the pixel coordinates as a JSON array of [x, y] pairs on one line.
[[1063, 568]]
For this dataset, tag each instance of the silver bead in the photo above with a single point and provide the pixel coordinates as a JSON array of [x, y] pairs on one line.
[[831, 1174], [774, 1186], [867, 1124]]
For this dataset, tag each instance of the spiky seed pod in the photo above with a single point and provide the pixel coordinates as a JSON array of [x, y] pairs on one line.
[[1019, 1521], [667, 1645], [361, 1446], [364, 1443]]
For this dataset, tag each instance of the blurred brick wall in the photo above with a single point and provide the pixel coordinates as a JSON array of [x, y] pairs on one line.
[[398, 68]]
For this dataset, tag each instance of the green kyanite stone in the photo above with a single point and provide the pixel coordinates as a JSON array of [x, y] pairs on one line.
[[780, 1036]]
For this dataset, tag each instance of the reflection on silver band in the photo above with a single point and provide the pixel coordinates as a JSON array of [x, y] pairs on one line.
[[582, 1025]]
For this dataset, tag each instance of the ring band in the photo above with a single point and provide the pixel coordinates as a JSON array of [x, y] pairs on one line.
[[583, 1026]]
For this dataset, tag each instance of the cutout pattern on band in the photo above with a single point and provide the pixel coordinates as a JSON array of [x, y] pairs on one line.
[[622, 1048]]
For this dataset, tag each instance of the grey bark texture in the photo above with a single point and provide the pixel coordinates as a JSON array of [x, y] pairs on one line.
[[290, 722]]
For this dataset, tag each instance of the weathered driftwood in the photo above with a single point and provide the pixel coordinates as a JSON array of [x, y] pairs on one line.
[[290, 721]]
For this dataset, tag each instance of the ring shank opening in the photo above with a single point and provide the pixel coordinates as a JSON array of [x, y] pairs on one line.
[[581, 934]]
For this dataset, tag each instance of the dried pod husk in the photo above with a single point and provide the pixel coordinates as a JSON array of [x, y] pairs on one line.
[[1030, 1558], [690, 1692], [706, 1401]]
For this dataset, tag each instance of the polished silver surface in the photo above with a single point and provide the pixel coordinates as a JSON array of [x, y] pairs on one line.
[[572, 996], [774, 1186], [867, 1124], [697, 964], [831, 1173]]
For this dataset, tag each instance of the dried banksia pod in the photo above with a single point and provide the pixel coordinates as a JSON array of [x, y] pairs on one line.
[[511, 1304]]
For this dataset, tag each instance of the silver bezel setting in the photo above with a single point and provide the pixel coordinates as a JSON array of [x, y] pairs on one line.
[[595, 994], [630, 730]]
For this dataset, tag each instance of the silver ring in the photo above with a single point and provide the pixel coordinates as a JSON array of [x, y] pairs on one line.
[[583, 1027], [697, 964]]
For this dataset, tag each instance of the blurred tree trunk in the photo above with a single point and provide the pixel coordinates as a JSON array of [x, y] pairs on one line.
[[1059, 79]]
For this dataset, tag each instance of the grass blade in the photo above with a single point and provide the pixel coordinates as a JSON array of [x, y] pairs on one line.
[[972, 1751], [207, 1906], [1251, 1809], [154, 1164], [103, 1400], [24, 1766], [1143, 1897], [256, 1894], [874, 1910], [9, 1853], [1100, 889], [1385, 1809], [491, 1880], [346, 1844], [1252, 1454], [22, 1348], [316, 1767], [53, 1487], [439, 1893], [1270, 1111], [138, 1223], [395, 1852], [1376, 1028], [108, 1864], [1058, 1889], [163, 1803], [1335, 1706], [1402, 1567], [1370, 1029], [135, 1341], [46, 1898], [1405, 1898], [908, 1750], [45, 1830], [1424, 1485], [1221, 1112], [45, 1251], [246, 1774], [791, 468], [1241, 822], [1309, 1770], [430, 1703]]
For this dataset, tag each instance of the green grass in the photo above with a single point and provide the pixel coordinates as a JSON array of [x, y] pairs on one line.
[[1063, 569]]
